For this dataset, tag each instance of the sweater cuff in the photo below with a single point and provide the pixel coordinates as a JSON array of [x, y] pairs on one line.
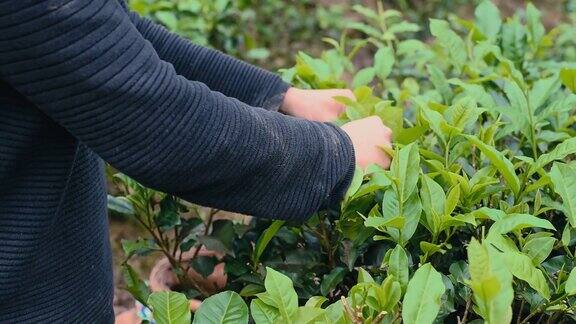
[[346, 164], [275, 96]]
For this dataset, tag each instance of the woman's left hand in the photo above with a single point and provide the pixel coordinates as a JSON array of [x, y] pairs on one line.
[[316, 105]]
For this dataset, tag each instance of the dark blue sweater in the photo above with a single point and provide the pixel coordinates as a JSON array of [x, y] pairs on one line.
[[85, 81]]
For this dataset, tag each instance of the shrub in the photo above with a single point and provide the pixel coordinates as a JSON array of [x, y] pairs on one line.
[[475, 218], [250, 29]]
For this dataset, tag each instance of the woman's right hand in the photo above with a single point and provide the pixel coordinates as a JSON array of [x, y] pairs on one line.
[[368, 136]]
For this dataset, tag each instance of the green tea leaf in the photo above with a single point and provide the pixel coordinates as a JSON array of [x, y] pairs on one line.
[[264, 239], [225, 307], [263, 313], [488, 18], [430, 248], [450, 41], [535, 28], [452, 200], [538, 249], [489, 213], [388, 294], [568, 78], [120, 205], [383, 62], [463, 113], [561, 151], [308, 315], [391, 116], [332, 279], [513, 35], [364, 276], [498, 159], [316, 301], [476, 92], [168, 19], [204, 265], [363, 77], [423, 295], [281, 290], [542, 90], [168, 217], [335, 313], [356, 183], [381, 222], [491, 283], [251, 290], [440, 82], [169, 307], [559, 106], [567, 235], [405, 169], [516, 222], [403, 27], [433, 202], [435, 120], [411, 210], [564, 179], [570, 285], [521, 266], [138, 247], [398, 266], [518, 111], [135, 285], [221, 238]]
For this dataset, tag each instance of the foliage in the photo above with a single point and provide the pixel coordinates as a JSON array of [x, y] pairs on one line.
[[169, 308], [225, 307], [247, 29], [174, 227], [475, 220]]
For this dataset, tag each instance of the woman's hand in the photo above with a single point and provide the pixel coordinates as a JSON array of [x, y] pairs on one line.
[[316, 105], [368, 136]]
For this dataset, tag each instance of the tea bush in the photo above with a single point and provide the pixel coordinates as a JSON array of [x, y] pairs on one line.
[[475, 220], [250, 29]]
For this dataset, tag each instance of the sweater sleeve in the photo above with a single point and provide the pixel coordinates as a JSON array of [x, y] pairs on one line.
[[247, 83], [85, 65]]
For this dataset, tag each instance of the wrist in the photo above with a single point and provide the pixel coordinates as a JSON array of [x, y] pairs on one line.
[[289, 105]]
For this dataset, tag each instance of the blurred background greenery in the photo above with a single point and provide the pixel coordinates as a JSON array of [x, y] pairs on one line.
[[271, 32]]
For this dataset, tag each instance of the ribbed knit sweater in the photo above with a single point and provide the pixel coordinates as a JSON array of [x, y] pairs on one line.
[[86, 81]]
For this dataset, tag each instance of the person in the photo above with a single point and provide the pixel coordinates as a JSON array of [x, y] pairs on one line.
[[88, 81]]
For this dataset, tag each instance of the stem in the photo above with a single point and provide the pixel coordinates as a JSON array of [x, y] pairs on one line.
[[176, 242], [185, 280], [465, 316], [520, 311], [540, 318], [326, 243], [197, 251], [447, 153], [543, 308], [182, 275], [379, 317], [349, 311], [567, 250], [532, 127], [397, 316], [207, 228]]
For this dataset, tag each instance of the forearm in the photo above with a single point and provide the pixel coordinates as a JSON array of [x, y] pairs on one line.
[[83, 63], [232, 77]]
